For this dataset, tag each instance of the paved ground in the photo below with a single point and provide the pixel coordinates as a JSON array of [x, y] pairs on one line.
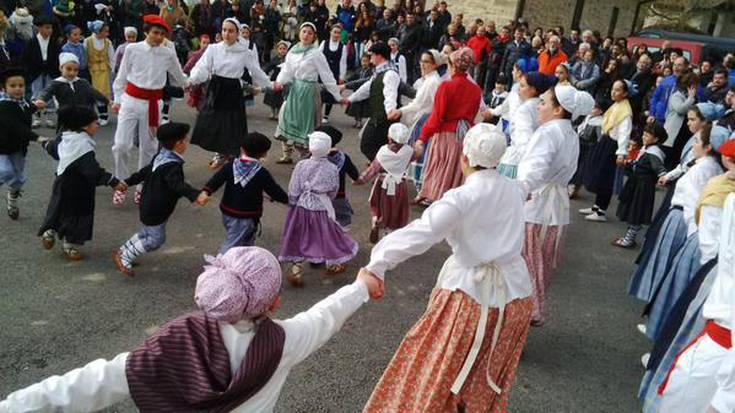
[[56, 315]]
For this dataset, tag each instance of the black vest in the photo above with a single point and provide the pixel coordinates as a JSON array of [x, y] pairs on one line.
[[333, 58]]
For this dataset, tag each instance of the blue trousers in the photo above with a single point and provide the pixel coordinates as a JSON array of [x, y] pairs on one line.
[[241, 232], [12, 170]]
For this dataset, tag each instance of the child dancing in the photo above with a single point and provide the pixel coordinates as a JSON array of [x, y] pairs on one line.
[[245, 179], [70, 213], [389, 205], [229, 356], [311, 232], [163, 185], [639, 193]]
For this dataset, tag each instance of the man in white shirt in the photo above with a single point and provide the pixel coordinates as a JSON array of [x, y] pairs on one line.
[[382, 92], [41, 60], [138, 90]]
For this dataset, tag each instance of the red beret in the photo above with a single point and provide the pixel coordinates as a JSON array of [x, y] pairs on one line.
[[728, 148], [155, 20]]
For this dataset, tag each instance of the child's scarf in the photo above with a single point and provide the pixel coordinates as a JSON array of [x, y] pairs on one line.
[[395, 165], [244, 170], [73, 146], [616, 114], [21, 102], [166, 156]]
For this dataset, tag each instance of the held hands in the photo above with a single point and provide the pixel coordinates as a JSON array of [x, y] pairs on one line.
[[121, 186], [620, 161], [394, 114], [116, 108], [277, 87], [345, 102], [202, 199], [376, 286], [43, 140], [342, 87], [662, 181], [40, 104]]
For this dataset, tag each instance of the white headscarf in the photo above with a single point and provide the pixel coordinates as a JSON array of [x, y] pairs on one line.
[[574, 101], [398, 132], [65, 58], [130, 30], [319, 144], [484, 145]]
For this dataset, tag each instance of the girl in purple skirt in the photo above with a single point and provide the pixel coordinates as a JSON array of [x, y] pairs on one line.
[[311, 232]]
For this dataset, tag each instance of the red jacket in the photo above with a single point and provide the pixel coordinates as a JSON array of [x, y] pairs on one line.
[[457, 99], [547, 64], [481, 45]]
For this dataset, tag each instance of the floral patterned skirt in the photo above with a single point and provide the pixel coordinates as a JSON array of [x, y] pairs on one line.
[[542, 253], [421, 374]]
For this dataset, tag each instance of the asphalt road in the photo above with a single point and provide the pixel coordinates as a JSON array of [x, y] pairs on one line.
[[56, 315]]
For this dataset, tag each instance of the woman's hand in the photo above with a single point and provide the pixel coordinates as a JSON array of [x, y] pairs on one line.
[[662, 181], [692, 91], [376, 286]]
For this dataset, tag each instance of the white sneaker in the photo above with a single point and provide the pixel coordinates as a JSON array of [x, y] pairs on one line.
[[644, 360], [598, 216], [36, 123], [165, 120], [642, 328], [325, 121], [50, 123], [104, 122], [588, 211]]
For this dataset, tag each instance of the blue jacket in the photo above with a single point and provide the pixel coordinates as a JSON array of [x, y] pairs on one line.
[[660, 99]]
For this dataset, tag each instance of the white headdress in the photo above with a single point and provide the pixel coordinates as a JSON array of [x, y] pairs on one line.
[[484, 145], [65, 58], [574, 101], [399, 133], [319, 144]]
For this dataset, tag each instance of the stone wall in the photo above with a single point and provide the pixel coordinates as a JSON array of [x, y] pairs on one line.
[[595, 15]]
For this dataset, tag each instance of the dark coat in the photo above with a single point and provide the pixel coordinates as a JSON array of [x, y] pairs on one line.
[[512, 53], [33, 60], [15, 127]]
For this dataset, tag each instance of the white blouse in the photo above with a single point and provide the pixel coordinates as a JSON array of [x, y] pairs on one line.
[[102, 383], [423, 103], [510, 105], [334, 46], [146, 67], [690, 186], [522, 126], [310, 66], [545, 171], [229, 61], [721, 303], [621, 134], [482, 221]]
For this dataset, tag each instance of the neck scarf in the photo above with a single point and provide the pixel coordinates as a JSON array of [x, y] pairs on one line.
[[166, 156], [395, 165], [21, 102], [244, 170], [302, 48], [616, 114], [73, 146], [715, 193]]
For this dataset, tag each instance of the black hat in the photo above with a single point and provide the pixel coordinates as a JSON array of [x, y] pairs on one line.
[[172, 132], [76, 117], [11, 72], [381, 49], [333, 133], [42, 20]]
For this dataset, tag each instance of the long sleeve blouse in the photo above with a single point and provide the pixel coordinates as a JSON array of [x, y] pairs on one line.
[[310, 66], [146, 67], [545, 171], [523, 123], [391, 83], [228, 61], [456, 100], [423, 103], [690, 186], [676, 111], [102, 383], [333, 47], [482, 221], [311, 181]]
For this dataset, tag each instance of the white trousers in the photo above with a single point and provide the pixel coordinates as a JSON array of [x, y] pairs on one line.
[[693, 381], [132, 122]]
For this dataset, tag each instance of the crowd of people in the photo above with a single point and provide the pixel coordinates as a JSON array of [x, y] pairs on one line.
[[496, 130]]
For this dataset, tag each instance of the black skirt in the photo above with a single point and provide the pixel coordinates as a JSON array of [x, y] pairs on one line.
[[222, 124], [374, 136], [637, 199], [600, 174], [359, 109], [70, 212]]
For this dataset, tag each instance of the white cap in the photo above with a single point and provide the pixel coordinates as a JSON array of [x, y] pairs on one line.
[[66, 57], [130, 30], [398, 132], [319, 144], [484, 145], [574, 101]]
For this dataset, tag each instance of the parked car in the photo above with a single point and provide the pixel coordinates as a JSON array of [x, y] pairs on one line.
[[693, 51], [715, 48]]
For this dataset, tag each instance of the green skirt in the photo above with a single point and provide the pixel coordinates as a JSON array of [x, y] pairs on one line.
[[299, 117]]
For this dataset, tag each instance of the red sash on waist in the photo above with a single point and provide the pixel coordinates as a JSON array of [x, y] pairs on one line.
[[152, 96], [719, 334]]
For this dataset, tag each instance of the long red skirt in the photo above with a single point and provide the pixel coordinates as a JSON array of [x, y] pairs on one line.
[[443, 170], [542, 257], [421, 374], [391, 212]]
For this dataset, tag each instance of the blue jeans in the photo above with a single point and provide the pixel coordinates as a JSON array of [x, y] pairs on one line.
[[12, 170], [241, 232], [153, 237]]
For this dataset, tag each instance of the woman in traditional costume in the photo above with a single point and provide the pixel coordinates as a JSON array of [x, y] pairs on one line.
[[544, 172], [101, 61], [305, 65], [221, 125], [483, 291], [455, 108]]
